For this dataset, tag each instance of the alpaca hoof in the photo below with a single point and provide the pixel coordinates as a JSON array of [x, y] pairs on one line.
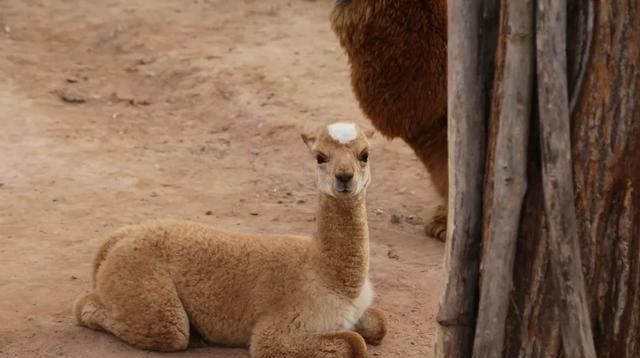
[[436, 226], [86, 311], [357, 347], [373, 326]]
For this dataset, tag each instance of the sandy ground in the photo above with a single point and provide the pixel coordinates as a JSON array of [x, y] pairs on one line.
[[190, 109]]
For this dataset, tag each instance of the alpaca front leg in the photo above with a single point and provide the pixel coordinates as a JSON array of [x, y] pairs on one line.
[[372, 326], [436, 225], [430, 145], [272, 343]]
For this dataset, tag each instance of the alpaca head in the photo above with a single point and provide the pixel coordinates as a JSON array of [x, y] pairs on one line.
[[341, 153]]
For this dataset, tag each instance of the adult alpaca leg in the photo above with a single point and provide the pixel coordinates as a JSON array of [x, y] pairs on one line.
[[430, 145]]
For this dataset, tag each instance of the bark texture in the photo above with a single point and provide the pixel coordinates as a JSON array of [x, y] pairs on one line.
[[605, 149], [466, 142], [557, 179], [506, 172], [576, 273]]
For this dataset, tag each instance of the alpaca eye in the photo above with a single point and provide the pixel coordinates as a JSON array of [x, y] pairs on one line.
[[364, 157], [321, 158]]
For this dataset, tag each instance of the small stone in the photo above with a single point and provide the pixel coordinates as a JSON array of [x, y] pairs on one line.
[[280, 202], [139, 102], [145, 61], [393, 254], [73, 277], [209, 213], [379, 211], [395, 219], [7, 28], [254, 214], [72, 97], [413, 220], [300, 201], [71, 80]]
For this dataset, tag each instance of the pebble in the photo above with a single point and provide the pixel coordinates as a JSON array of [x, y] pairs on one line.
[[72, 97], [393, 254], [209, 213], [145, 61], [395, 219]]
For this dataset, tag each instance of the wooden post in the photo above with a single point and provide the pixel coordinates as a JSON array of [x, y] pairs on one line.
[[506, 174], [466, 144], [557, 179]]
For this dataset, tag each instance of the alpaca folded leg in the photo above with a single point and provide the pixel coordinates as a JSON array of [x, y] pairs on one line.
[[89, 312], [436, 225], [273, 343], [161, 328], [144, 309], [372, 326]]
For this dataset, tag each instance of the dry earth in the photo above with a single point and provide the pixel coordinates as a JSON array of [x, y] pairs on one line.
[[184, 109]]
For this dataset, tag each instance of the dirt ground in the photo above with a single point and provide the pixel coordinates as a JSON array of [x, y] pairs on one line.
[[117, 111]]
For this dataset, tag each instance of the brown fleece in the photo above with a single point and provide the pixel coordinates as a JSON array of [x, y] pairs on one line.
[[397, 50], [285, 296]]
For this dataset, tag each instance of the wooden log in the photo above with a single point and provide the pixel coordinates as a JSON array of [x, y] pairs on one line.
[[467, 102], [506, 174], [557, 178]]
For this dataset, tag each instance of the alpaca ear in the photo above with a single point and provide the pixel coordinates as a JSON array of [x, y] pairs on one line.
[[308, 139], [369, 133]]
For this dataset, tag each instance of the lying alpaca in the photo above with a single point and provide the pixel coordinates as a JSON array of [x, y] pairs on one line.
[[397, 50], [285, 296]]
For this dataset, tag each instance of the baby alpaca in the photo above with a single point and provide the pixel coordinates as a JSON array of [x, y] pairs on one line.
[[397, 50], [158, 283]]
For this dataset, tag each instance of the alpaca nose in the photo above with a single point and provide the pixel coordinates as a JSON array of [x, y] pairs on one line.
[[344, 178]]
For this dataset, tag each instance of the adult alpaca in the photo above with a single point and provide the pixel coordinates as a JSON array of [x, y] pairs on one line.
[[397, 50]]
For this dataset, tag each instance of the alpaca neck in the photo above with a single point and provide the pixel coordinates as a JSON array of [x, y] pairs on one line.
[[341, 244]]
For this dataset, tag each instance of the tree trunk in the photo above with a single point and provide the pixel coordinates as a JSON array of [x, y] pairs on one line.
[[549, 310], [605, 148]]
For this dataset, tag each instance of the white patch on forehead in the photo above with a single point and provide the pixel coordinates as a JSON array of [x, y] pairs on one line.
[[343, 132]]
